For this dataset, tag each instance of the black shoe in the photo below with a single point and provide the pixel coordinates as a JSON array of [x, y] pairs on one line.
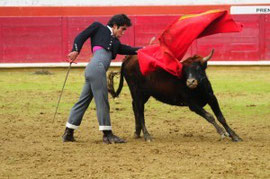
[[110, 138], [68, 135]]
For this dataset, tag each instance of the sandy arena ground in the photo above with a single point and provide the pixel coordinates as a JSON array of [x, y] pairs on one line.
[[184, 146]]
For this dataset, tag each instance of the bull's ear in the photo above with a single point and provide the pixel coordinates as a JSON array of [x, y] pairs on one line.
[[187, 61], [208, 57]]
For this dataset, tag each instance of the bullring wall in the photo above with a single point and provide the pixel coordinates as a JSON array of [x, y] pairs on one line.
[[43, 32]]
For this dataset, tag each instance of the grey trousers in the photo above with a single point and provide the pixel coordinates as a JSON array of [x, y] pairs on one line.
[[95, 86]]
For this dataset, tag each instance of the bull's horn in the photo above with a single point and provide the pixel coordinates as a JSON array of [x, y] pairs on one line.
[[152, 40], [205, 59]]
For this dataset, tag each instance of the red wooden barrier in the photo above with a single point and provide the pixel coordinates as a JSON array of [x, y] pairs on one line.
[[49, 39]]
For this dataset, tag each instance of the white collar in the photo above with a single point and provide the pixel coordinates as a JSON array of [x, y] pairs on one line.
[[110, 29]]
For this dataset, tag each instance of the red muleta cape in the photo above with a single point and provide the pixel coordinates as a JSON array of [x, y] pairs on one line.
[[178, 36]]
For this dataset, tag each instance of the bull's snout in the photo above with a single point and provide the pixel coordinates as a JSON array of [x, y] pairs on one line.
[[192, 83]]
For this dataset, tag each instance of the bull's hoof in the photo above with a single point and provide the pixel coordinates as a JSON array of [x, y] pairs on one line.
[[224, 135], [136, 136], [236, 139], [222, 132], [148, 138]]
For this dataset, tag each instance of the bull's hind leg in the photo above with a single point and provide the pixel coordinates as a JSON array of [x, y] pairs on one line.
[[216, 109], [138, 109], [138, 124]]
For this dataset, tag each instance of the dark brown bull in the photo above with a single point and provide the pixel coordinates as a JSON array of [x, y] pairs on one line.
[[193, 90]]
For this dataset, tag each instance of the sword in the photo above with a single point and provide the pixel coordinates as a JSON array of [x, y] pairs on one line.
[[62, 91]]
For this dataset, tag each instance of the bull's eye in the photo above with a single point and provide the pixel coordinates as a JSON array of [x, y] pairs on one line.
[[198, 68]]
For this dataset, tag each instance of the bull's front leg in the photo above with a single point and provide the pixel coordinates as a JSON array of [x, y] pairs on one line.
[[209, 117], [216, 109]]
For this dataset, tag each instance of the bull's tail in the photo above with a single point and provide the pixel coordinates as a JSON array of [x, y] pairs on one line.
[[111, 89]]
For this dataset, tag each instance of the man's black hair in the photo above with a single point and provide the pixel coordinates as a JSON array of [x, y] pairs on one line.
[[119, 20]]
